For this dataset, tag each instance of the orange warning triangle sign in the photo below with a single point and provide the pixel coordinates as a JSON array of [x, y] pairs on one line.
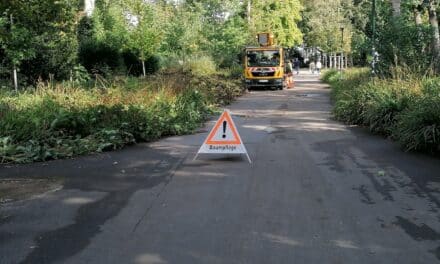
[[226, 124], [223, 138]]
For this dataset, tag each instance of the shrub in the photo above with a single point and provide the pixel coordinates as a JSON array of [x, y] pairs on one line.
[[234, 71], [98, 57], [419, 125], [390, 98], [132, 63], [58, 122], [200, 66], [153, 64], [218, 89], [134, 66], [406, 109], [329, 76], [350, 97]]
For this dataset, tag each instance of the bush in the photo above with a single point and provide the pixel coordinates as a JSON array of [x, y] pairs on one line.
[[406, 110], [98, 57], [330, 76], [234, 71], [153, 64], [132, 63], [401, 43], [218, 89], [47, 129], [134, 66], [201, 66], [389, 98], [349, 96], [58, 122], [419, 125]]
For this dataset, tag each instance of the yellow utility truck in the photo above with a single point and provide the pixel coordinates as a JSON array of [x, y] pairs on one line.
[[264, 66]]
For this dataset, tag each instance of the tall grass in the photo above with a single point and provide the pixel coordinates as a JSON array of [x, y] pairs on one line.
[[58, 121], [405, 109]]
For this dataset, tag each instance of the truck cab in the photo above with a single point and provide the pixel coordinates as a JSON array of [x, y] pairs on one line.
[[264, 65]]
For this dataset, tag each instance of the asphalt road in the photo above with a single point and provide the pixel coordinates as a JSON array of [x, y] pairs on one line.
[[317, 191]]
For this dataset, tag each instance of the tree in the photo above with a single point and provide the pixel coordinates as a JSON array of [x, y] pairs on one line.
[[214, 28], [15, 42], [223, 28], [323, 23], [183, 32], [433, 20], [43, 44], [278, 17], [143, 20]]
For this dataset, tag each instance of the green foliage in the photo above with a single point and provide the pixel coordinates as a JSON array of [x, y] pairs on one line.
[[49, 46], [17, 44], [80, 75], [418, 126], [322, 23], [226, 41], [234, 71], [183, 33], [330, 76], [206, 28], [99, 57], [406, 110], [404, 44], [59, 122], [279, 18], [401, 40], [102, 38], [218, 89], [143, 38], [40, 44], [200, 66]]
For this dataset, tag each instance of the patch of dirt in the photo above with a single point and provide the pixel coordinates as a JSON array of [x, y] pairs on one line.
[[14, 189]]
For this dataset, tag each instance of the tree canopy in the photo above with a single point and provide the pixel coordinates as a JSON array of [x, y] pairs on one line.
[[280, 18], [55, 39]]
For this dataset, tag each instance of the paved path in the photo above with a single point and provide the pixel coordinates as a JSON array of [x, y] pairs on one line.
[[316, 192]]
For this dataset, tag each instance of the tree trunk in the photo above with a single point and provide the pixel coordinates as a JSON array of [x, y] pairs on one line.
[[435, 35], [417, 16], [143, 68], [15, 79], [396, 7], [89, 7], [418, 21], [248, 11], [14, 70]]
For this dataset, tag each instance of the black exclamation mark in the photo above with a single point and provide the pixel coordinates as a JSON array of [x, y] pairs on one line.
[[224, 129]]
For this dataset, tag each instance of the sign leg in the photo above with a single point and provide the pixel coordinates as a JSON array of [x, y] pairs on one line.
[[249, 159], [195, 157]]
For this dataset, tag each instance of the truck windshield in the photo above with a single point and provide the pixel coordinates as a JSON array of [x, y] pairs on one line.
[[263, 58]]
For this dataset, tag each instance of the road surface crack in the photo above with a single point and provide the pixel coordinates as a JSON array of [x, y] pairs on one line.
[[169, 175]]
